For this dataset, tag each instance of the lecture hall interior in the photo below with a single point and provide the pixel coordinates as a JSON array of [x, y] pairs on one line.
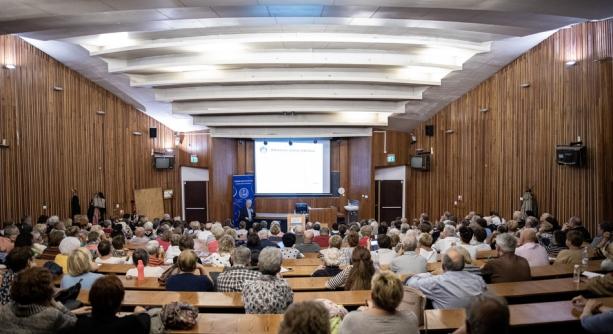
[[306, 166]]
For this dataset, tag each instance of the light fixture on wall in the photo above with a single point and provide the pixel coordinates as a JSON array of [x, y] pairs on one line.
[[571, 62], [137, 133], [449, 131], [58, 88], [484, 109], [10, 66], [100, 112], [524, 85]]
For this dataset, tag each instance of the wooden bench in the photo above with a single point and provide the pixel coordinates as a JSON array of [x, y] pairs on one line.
[[228, 300], [235, 323]]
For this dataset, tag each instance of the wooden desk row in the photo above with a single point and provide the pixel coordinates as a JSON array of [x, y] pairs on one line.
[[436, 320], [228, 300]]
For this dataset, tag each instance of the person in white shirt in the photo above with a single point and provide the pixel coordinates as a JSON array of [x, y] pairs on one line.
[[242, 232], [173, 250], [425, 249], [104, 249], [141, 254], [466, 235], [448, 239], [531, 250], [206, 234], [382, 258], [479, 236]]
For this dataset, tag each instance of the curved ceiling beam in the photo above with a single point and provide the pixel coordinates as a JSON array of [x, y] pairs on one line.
[[174, 63], [291, 91], [116, 47], [283, 106], [339, 119], [266, 75]]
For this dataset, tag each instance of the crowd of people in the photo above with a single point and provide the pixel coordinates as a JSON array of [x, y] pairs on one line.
[[389, 259]]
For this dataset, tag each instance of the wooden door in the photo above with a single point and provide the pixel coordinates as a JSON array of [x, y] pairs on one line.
[[388, 199], [195, 200]]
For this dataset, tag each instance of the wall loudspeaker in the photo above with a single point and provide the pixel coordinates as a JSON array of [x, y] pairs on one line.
[[153, 132], [429, 130]]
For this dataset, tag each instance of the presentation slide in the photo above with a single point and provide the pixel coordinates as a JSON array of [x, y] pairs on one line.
[[300, 168]]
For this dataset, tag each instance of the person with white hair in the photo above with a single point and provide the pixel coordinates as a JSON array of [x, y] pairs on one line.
[[508, 267], [153, 250], [67, 246], [269, 294], [264, 242], [139, 236], [149, 232], [448, 239], [332, 260], [233, 278], [409, 262]]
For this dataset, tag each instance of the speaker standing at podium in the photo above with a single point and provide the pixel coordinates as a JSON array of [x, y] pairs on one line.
[[248, 214]]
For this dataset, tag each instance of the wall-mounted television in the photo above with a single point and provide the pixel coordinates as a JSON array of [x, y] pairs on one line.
[[420, 161], [163, 162], [571, 155]]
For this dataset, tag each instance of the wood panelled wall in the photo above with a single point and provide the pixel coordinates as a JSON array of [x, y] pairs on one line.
[[57, 141], [492, 157], [350, 157]]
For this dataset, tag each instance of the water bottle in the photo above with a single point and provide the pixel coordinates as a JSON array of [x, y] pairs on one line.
[[577, 274], [140, 267], [584, 259]]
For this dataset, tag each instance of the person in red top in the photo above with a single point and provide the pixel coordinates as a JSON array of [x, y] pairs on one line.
[[323, 239], [164, 239], [365, 233]]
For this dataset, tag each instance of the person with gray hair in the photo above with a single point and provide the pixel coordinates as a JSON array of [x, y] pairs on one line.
[[308, 246], [264, 242], [447, 239], [487, 313], [409, 262], [7, 242], [455, 288], [508, 267], [269, 293]]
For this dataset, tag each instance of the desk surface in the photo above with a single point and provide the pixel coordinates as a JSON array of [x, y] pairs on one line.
[[235, 323], [228, 300], [521, 314]]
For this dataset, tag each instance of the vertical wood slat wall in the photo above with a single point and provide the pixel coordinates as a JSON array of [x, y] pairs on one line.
[[493, 156], [57, 141]]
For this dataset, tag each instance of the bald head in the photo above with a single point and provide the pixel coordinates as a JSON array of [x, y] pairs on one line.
[[453, 260], [528, 235]]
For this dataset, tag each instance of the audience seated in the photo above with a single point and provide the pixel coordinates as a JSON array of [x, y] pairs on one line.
[[382, 257], [32, 309], [53, 243], [601, 286], [365, 234], [447, 239], [264, 242], [308, 246], [67, 246], [268, 293], [153, 250], [356, 276], [186, 280], [486, 313], [242, 230], [288, 251], [508, 267], [558, 243], [352, 240], [163, 239], [573, 254], [80, 267], [409, 262], [221, 258], [106, 256], [139, 236], [118, 242], [7, 242], [466, 236], [531, 250], [454, 288], [275, 232], [141, 254], [105, 297], [323, 239], [575, 224], [310, 317], [18, 259], [331, 258], [233, 279], [425, 249], [381, 316], [595, 317], [213, 244]]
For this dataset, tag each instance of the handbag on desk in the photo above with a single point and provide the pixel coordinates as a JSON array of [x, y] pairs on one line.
[[69, 297]]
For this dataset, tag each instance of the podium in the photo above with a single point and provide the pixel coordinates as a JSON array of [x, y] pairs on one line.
[[294, 220]]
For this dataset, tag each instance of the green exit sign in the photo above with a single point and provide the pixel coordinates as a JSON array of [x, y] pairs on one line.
[[193, 159], [391, 158]]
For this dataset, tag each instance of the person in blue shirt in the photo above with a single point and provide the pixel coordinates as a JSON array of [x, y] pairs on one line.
[[186, 280], [80, 267], [595, 318]]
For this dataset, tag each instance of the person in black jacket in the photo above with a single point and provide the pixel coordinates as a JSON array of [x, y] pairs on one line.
[[248, 213], [105, 297]]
